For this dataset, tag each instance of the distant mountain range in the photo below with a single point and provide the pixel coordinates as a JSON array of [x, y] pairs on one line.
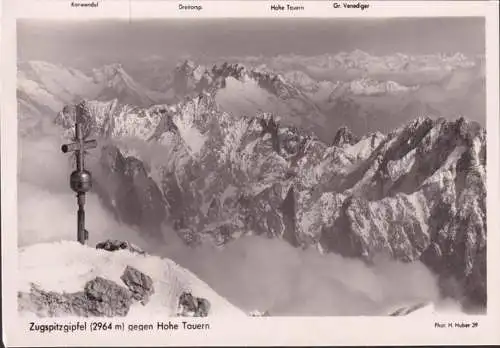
[[357, 167], [377, 94]]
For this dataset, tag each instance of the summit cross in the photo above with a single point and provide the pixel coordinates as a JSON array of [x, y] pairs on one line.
[[80, 179]]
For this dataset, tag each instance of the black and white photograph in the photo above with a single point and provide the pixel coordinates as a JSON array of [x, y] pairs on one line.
[[255, 167]]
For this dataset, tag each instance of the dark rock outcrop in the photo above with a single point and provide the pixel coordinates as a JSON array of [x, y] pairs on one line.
[[140, 284], [107, 297], [271, 126], [113, 245], [191, 306], [100, 298], [344, 137], [125, 187]]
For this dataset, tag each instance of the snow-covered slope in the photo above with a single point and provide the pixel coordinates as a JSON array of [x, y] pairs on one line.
[[47, 87], [114, 82], [43, 89], [421, 309], [68, 266]]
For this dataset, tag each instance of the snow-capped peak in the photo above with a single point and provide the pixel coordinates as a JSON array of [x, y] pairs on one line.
[[114, 76], [116, 83], [109, 73]]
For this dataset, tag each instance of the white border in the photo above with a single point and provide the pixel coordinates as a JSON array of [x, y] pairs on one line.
[[254, 331], [137, 9]]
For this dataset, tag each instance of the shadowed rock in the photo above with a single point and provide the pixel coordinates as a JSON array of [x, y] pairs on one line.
[[191, 306], [125, 188], [113, 245], [100, 298], [107, 298], [344, 137], [140, 284]]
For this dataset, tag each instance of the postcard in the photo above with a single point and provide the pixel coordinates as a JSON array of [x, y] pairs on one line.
[[249, 173]]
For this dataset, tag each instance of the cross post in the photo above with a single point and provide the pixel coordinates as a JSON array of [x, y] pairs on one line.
[[80, 179]]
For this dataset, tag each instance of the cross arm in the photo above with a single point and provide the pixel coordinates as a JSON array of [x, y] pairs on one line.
[[88, 144]]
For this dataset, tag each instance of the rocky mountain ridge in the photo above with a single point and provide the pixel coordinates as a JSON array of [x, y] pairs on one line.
[[360, 63], [417, 193], [377, 94]]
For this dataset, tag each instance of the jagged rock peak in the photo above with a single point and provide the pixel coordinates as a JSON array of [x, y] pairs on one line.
[[268, 117], [344, 137], [112, 68], [463, 128], [469, 129], [110, 74], [79, 112], [421, 175], [186, 65], [417, 122], [226, 69]]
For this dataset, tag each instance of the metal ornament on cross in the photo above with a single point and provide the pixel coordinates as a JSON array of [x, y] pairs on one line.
[[80, 180]]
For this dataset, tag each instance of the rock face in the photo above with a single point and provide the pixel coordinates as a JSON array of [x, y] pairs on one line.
[[140, 284], [191, 306], [100, 298], [191, 79], [113, 245], [417, 193], [107, 297], [128, 190], [344, 137]]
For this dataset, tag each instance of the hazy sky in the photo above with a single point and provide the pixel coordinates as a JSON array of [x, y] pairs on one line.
[[90, 43]]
